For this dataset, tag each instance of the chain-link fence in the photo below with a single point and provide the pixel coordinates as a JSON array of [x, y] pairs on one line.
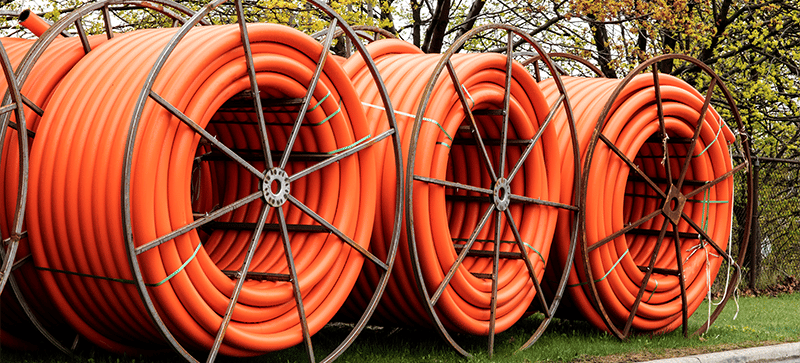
[[775, 253]]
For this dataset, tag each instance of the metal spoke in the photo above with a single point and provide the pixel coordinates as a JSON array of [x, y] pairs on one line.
[[661, 122], [624, 230], [523, 199], [251, 250], [8, 260], [533, 141], [506, 102], [107, 22], [528, 264], [8, 108], [336, 157], [36, 109], [474, 126], [633, 166], [696, 135], [454, 185], [684, 298], [707, 238], [301, 114], [22, 261], [82, 35], [463, 254], [495, 271], [15, 126], [338, 233], [295, 285], [199, 222], [646, 279], [716, 181], [211, 139], [251, 73]]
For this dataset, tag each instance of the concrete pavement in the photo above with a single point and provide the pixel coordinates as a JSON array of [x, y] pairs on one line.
[[789, 352]]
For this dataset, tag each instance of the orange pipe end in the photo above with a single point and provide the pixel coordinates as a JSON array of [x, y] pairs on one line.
[[33, 22]]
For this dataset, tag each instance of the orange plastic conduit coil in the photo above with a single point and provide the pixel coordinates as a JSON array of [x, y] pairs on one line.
[[75, 205], [441, 222], [613, 199], [43, 78]]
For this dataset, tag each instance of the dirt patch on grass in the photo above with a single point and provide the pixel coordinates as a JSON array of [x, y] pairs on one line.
[[670, 353]]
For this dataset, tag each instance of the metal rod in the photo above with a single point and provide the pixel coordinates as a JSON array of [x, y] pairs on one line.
[[491, 142], [339, 156], [251, 74], [708, 238], [484, 253], [36, 109], [269, 227], [455, 185], [468, 111], [646, 279], [107, 23], [696, 134], [198, 222], [463, 254], [681, 279], [309, 94], [338, 233], [539, 133], [661, 122], [208, 137], [663, 271], [631, 165], [21, 262], [296, 286], [716, 181], [506, 102], [528, 264], [624, 230], [495, 272], [82, 35], [251, 250], [253, 155], [259, 276], [524, 199], [691, 182], [13, 125], [8, 108], [653, 232]]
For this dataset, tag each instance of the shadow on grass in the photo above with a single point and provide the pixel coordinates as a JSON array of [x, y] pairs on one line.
[[760, 320]]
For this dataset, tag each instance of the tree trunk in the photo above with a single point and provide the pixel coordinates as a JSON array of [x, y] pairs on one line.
[[434, 37], [603, 52], [416, 14], [472, 16]]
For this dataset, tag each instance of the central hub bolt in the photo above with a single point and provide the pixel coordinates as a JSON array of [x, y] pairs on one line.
[[276, 187], [502, 194], [673, 205]]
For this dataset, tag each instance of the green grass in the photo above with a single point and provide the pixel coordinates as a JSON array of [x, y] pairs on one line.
[[761, 320]]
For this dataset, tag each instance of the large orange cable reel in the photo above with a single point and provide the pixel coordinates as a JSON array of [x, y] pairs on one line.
[[332, 137], [635, 208], [40, 65], [465, 305]]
